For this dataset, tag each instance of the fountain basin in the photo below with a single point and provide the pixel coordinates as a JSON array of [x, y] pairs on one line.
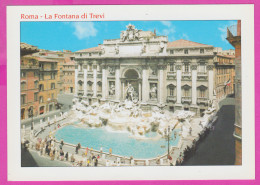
[[122, 142]]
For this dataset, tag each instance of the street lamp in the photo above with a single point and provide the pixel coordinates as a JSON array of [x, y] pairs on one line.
[[168, 138]]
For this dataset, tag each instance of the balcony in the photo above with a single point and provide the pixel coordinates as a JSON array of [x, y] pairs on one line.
[[48, 69], [171, 75], [171, 99], [186, 75], [202, 76], [202, 101], [186, 100], [29, 67]]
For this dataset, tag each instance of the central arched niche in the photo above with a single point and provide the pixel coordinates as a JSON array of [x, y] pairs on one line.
[[131, 77], [131, 74]]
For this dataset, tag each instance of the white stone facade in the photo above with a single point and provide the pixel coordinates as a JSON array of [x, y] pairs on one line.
[[173, 75]]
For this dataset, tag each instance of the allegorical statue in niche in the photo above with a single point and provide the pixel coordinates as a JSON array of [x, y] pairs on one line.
[[153, 92], [130, 92], [112, 90]]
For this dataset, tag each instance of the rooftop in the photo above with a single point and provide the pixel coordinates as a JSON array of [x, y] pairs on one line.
[[94, 49], [185, 43], [45, 60]]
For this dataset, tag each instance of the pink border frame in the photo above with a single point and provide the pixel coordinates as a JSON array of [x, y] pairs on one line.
[[3, 85]]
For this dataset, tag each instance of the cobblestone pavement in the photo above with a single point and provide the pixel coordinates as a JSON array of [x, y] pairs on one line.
[[218, 148]]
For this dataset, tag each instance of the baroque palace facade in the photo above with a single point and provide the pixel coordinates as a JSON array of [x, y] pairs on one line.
[[173, 75]]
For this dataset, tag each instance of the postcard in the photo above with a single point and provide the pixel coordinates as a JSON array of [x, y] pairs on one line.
[[157, 92]]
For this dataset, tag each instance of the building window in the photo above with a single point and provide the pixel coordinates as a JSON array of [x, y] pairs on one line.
[[90, 54], [186, 68], [35, 96], [89, 85], [41, 87], [35, 84], [186, 51], [201, 51], [23, 74], [171, 67], [52, 96], [202, 68], [80, 54], [41, 66], [23, 99], [186, 92], [23, 85], [35, 74], [52, 85], [41, 76], [171, 52], [171, 89], [52, 75], [202, 93], [41, 99]]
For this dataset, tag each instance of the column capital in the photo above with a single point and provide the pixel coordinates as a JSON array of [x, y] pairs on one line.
[[162, 66], [104, 66], [194, 67], [94, 66], [144, 66], [85, 66], [210, 67], [178, 66]]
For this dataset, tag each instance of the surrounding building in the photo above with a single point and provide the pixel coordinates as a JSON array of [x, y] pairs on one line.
[[234, 38], [69, 75], [65, 60], [147, 68], [29, 80], [48, 70], [224, 73]]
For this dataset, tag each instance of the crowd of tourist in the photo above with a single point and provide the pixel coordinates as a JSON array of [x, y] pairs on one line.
[[48, 148]]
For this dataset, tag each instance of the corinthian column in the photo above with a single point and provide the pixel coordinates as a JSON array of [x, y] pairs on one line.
[[95, 80], [161, 83], [76, 80], [145, 85], [178, 73], [104, 81], [210, 69], [194, 84], [85, 80], [118, 89]]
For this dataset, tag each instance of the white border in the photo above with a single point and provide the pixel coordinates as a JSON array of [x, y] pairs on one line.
[[147, 12]]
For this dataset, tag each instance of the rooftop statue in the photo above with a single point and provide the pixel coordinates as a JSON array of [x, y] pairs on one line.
[[130, 34]]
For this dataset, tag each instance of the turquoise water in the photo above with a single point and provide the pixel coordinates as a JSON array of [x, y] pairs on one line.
[[120, 142]]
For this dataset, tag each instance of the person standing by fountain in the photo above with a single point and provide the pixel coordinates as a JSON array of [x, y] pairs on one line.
[[86, 151], [77, 148]]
